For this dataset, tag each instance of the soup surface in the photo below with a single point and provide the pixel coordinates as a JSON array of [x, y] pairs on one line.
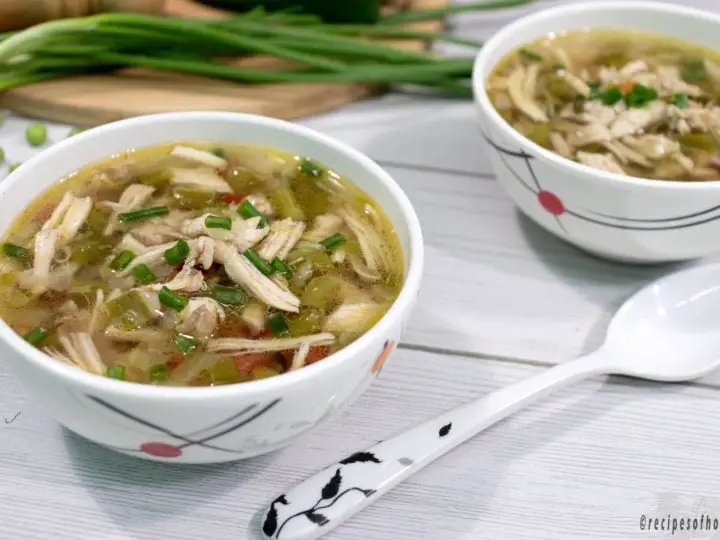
[[198, 264], [627, 102]]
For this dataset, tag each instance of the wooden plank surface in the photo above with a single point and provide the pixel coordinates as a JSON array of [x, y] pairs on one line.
[[97, 99]]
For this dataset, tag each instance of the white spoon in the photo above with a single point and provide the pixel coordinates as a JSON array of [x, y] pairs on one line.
[[668, 331]]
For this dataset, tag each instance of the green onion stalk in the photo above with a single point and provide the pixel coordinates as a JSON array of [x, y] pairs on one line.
[[312, 51]]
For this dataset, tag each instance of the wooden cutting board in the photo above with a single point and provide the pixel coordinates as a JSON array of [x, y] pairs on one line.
[[97, 99]]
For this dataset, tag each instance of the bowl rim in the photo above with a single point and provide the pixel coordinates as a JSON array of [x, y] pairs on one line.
[[520, 26], [403, 302]]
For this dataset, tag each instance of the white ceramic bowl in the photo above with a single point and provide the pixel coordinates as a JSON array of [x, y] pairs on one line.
[[610, 215], [210, 424]]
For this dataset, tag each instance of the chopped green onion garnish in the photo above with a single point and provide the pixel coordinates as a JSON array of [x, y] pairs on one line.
[[116, 372], [218, 222], [531, 55], [334, 241], [310, 168], [143, 274], [681, 100], [281, 268], [640, 95], [259, 263], [15, 251], [186, 344], [172, 300], [145, 213], [247, 211], [559, 67], [229, 295], [159, 372], [36, 134], [277, 324], [122, 261], [611, 96], [178, 253], [36, 336], [694, 71], [219, 152]]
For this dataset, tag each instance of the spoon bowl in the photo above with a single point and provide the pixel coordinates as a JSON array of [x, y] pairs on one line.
[[669, 330]]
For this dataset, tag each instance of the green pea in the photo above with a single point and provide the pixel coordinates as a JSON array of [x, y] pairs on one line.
[[13, 166], [36, 134], [75, 130]]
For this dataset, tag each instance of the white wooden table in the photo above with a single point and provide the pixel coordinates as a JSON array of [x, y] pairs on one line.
[[501, 300]]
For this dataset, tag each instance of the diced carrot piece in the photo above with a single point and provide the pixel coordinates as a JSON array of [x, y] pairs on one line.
[[627, 87], [174, 363], [230, 198], [247, 362], [316, 354]]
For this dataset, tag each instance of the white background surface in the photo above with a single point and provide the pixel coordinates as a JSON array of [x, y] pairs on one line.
[[501, 299]]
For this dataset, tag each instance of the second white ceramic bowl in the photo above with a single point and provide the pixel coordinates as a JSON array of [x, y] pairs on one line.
[[613, 216], [210, 424]]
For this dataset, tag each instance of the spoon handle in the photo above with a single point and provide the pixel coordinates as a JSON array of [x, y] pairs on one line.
[[323, 501]]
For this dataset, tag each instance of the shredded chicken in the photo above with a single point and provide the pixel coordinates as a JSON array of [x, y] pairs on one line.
[[151, 257], [133, 198], [632, 121], [142, 335], [560, 145], [130, 243], [244, 234], [372, 245], [237, 346], [300, 357], [45, 242], [242, 272], [284, 234], [591, 133], [199, 156], [201, 317], [254, 316], [80, 350], [203, 179], [521, 87], [576, 83], [324, 226], [652, 146], [351, 317], [626, 154], [605, 162], [261, 203], [189, 279], [161, 229]]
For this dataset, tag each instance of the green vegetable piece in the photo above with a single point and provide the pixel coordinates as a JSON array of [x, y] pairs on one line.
[[694, 71], [218, 222], [2, 155], [116, 372], [142, 274], [159, 373], [310, 168], [531, 55], [276, 323], [13, 166], [681, 100], [281, 268], [230, 296], [145, 213], [192, 199], [75, 130], [611, 96], [258, 262], [559, 67], [334, 241], [246, 210], [36, 134], [122, 261], [178, 253], [286, 204], [172, 300], [701, 141], [186, 344], [15, 251], [219, 152], [36, 336], [639, 96]]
